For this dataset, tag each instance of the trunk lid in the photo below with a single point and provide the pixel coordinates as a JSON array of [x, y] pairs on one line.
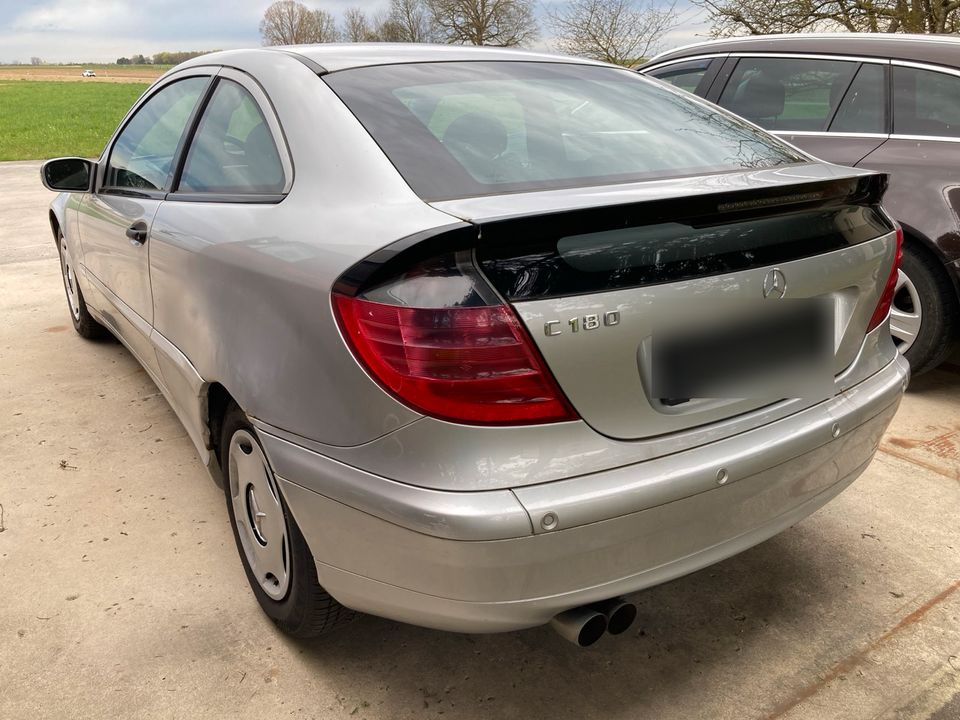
[[594, 273]]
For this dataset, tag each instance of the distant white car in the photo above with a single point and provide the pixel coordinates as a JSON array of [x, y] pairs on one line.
[[89, 73]]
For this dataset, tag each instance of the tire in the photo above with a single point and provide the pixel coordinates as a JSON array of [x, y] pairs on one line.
[[275, 556], [83, 321], [923, 319]]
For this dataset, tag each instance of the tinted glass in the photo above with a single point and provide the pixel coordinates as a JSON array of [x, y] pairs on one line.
[[686, 76], [233, 149], [467, 129], [787, 93], [864, 107], [925, 102], [142, 157]]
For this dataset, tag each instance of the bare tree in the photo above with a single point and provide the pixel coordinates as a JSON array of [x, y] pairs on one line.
[[412, 20], [483, 22], [385, 29], [759, 17], [36, 61], [326, 26], [287, 22], [615, 31], [356, 26]]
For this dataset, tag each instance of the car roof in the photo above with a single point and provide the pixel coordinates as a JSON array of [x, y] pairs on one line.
[[936, 49], [332, 57]]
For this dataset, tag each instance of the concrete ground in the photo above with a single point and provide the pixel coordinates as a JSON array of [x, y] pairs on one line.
[[121, 593]]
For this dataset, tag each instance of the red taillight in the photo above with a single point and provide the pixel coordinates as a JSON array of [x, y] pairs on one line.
[[886, 299], [465, 364]]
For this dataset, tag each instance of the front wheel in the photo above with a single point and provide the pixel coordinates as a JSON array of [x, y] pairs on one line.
[[275, 556], [83, 321], [923, 314]]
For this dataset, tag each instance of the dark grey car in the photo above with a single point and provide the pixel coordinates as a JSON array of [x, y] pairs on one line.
[[888, 103]]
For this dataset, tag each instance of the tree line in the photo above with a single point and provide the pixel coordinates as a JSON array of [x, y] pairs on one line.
[[762, 17], [618, 31], [162, 58]]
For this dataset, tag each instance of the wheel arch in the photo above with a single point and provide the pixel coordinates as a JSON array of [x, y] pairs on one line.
[[217, 401], [919, 240], [55, 225]]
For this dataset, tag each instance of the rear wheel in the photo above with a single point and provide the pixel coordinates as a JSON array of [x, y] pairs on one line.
[[275, 556], [83, 322], [922, 317]]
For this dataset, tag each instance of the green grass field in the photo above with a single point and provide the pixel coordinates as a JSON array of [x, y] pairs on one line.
[[44, 119]]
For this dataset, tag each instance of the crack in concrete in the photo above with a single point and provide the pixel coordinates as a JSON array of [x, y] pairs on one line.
[[849, 663]]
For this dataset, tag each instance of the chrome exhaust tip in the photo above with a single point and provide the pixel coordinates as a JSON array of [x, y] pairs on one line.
[[581, 626], [619, 614]]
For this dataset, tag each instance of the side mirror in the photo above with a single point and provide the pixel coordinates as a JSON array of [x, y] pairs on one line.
[[67, 174]]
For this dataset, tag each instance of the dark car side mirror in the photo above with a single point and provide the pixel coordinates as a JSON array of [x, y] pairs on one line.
[[67, 174]]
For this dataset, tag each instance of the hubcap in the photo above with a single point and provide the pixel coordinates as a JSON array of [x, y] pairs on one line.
[[905, 313], [69, 279], [259, 515]]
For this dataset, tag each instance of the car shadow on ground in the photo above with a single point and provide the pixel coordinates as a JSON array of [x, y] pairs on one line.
[[703, 627]]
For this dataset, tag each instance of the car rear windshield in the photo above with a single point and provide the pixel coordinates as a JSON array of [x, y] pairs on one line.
[[464, 129]]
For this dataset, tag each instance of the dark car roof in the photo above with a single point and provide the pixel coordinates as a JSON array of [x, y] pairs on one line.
[[935, 49]]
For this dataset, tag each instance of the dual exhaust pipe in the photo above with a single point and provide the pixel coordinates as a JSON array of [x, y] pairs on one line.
[[585, 625]]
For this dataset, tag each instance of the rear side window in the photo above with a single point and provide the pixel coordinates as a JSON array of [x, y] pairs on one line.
[[787, 93], [479, 128], [925, 102], [233, 149], [686, 76], [864, 107], [142, 156]]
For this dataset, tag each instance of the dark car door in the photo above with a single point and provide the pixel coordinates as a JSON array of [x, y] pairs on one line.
[[115, 220], [834, 109], [923, 153]]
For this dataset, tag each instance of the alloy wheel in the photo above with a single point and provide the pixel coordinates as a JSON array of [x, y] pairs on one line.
[[905, 313]]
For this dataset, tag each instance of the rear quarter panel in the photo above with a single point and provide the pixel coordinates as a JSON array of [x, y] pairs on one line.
[[924, 190], [242, 290]]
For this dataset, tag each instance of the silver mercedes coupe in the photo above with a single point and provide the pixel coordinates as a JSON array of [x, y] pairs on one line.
[[482, 339]]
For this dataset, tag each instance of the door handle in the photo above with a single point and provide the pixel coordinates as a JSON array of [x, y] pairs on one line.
[[137, 233]]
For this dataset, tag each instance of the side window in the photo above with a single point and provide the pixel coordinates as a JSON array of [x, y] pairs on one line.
[[685, 75], [864, 107], [787, 93], [142, 156], [925, 102], [233, 149]]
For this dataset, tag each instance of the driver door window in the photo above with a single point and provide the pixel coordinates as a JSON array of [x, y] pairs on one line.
[[142, 156]]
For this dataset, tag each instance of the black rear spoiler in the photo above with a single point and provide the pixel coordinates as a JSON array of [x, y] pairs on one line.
[[655, 241]]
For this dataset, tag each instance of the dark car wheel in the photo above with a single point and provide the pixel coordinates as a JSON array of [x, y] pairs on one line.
[[923, 316], [83, 322], [275, 556]]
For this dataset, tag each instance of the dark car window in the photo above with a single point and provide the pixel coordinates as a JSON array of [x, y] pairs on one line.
[[925, 102], [787, 93], [233, 149], [864, 107], [464, 129], [685, 75], [142, 156]]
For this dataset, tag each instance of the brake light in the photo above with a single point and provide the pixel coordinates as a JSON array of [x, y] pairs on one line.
[[890, 289], [465, 360]]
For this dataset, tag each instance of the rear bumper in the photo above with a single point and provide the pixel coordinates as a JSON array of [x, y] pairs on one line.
[[493, 561]]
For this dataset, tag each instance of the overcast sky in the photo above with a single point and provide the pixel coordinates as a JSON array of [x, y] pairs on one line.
[[103, 30]]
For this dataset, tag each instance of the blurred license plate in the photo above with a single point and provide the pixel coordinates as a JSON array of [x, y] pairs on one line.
[[771, 350]]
